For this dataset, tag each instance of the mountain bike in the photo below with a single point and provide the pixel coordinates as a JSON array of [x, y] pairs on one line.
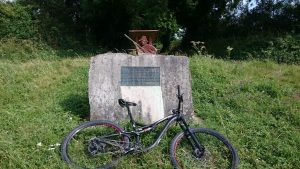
[[102, 143]]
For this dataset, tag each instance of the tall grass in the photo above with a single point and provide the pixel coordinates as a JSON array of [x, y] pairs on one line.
[[40, 102], [23, 50], [256, 104]]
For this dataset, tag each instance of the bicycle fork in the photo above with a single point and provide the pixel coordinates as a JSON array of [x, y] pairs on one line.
[[193, 141]]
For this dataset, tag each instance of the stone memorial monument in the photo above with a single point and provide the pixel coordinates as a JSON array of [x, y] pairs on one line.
[[148, 80]]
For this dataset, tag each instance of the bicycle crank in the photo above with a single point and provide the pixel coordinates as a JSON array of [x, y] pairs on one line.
[[95, 146]]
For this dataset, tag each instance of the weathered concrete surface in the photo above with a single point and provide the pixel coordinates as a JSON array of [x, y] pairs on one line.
[[105, 86], [149, 98]]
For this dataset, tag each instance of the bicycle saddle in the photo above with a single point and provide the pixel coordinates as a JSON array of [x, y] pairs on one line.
[[124, 103]]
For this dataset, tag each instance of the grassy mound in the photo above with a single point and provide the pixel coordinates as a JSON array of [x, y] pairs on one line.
[[255, 104]]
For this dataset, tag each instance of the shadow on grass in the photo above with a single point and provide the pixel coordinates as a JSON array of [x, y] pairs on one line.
[[78, 105]]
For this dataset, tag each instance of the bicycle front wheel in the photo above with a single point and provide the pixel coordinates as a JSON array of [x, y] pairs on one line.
[[218, 151], [94, 144]]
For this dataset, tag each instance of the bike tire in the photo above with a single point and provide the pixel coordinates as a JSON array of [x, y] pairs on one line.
[[183, 156], [97, 139]]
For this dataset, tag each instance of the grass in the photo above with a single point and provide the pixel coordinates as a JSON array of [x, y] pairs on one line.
[[40, 102], [256, 104]]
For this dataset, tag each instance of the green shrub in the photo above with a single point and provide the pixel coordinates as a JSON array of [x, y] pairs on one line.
[[282, 49], [16, 21]]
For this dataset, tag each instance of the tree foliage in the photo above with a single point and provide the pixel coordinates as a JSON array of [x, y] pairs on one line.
[[16, 21], [201, 18], [270, 16], [105, 21]]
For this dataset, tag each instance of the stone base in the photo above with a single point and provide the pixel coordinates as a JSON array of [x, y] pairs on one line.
[[154, 102]]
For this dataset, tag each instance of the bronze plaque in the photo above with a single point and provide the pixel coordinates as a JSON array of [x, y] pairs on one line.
[[140, 76]]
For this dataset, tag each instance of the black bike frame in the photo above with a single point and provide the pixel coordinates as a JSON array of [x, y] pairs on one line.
[[170, 119], [145, 128]]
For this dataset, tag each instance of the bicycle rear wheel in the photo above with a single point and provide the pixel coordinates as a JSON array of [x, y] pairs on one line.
[[94, 144], [218, 153]]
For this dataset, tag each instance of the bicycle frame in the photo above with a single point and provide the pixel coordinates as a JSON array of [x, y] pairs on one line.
[[169, 120], [138, 131]]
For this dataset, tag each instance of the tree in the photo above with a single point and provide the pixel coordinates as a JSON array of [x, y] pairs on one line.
[[200, 17], [16, 21]]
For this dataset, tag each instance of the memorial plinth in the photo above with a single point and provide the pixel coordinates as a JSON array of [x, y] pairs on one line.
[[149, 81]]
